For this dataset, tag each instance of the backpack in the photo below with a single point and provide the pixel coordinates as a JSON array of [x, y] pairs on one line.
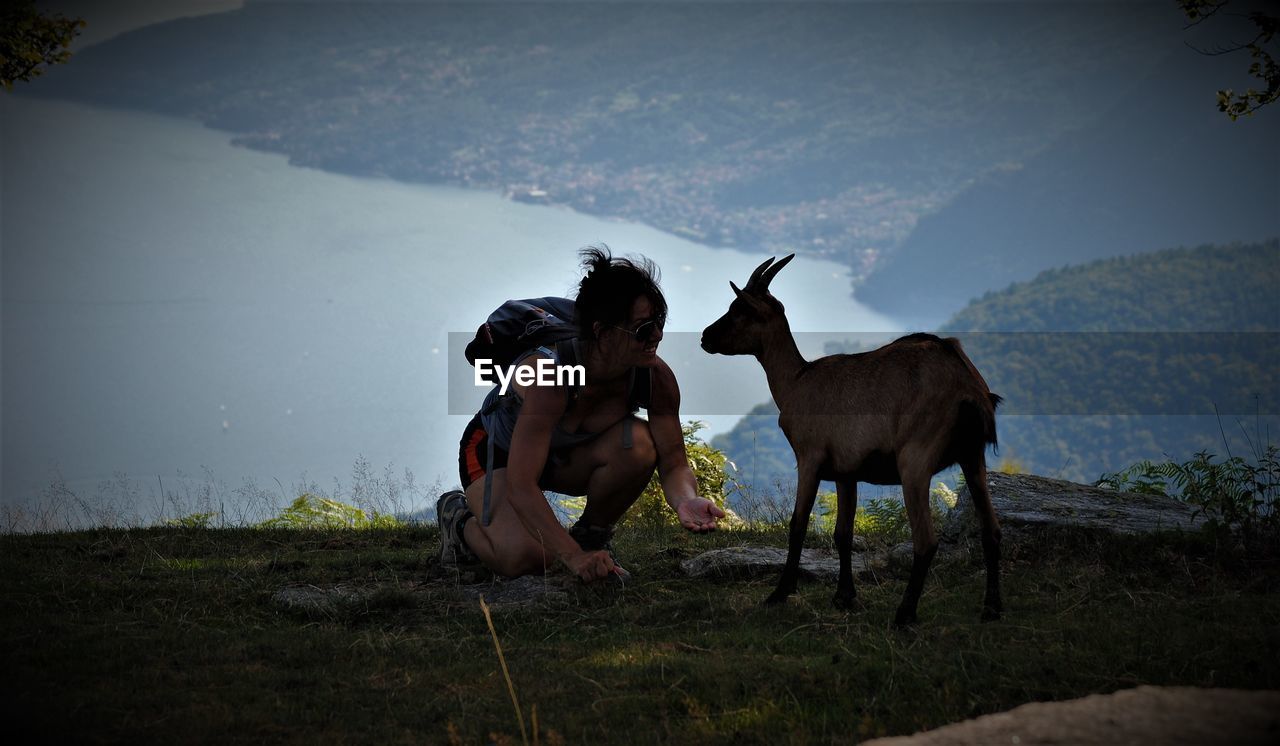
[[518, 326]]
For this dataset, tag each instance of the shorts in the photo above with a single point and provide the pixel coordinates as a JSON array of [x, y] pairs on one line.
[[473, 455]]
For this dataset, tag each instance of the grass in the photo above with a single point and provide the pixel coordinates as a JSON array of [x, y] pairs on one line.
[[170, 635]]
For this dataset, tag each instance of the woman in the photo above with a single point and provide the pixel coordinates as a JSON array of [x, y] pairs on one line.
[[578, 440]]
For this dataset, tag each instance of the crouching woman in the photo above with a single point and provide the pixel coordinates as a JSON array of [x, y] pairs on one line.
[[578, 440]]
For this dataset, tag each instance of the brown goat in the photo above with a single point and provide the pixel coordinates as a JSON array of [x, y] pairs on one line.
[[895, 415]]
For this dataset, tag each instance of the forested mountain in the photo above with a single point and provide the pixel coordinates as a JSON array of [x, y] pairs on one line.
[[1108, 363], [1160, 169], [1210, 288], [826, 128]]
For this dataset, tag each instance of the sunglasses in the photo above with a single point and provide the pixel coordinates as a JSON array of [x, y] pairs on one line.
[[645, 331]]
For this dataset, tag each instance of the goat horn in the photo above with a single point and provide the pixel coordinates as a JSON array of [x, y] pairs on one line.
[[773, 271], [755, 276]]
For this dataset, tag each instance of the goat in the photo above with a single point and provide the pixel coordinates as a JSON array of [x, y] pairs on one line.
[[895, 415]]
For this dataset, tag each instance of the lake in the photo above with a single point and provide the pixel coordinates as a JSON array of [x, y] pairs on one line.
[[179, 311]]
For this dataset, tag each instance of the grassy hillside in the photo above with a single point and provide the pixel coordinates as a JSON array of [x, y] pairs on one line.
[[1109, 363], [170, 635], [827, 128]]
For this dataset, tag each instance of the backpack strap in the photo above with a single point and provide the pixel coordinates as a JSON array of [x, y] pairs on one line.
[[485, 512], [640, 395]]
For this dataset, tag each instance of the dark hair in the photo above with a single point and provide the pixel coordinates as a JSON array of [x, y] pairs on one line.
[[611, 286]]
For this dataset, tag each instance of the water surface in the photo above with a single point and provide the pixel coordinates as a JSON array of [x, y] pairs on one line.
[[172, 303]]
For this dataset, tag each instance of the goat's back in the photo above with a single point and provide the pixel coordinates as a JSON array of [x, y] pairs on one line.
[[919, 389]]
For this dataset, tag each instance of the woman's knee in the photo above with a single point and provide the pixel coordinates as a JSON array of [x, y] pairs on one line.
[[515, 554], [528, 560], [639, 452]]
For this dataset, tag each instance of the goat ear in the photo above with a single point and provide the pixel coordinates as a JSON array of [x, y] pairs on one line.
[[771, 272], [755, 276], [751, 300]]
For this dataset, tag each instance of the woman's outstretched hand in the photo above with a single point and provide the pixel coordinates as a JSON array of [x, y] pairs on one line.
[[699, 515]]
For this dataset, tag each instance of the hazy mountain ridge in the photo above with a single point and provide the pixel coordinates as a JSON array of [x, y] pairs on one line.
[[824, 128], [1158, 346], [1226, 288], [1161, 169]]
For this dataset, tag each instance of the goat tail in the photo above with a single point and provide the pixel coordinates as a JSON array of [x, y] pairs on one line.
[[977, 418], [989, 421], [977, 421]]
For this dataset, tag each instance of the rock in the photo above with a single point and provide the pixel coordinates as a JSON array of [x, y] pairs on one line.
[[1147, 714], [902, 556], [473, 581], [746, 562], [525, 590], [1025, 501], [342, 598], [321, 600]]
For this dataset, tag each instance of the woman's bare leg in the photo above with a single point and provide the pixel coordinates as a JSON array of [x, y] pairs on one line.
[[609, 473], [504, 546]]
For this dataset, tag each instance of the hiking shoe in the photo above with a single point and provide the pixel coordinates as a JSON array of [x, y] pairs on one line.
[[592, 538], [597, 538], [451, 514]]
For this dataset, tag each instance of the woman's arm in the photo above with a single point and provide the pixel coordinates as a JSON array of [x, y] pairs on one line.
[[679, 485], [530, 445]]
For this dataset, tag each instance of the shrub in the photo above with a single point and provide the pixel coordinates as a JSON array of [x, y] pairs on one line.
[[195, 520], [309, 511], [883, 518], [1011, 465], [1233, 494]]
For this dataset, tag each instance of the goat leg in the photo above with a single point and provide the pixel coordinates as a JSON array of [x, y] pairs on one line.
[[924, 541], [919, 571], [846, 508], [975, 476], [992, 606], [806, 493]]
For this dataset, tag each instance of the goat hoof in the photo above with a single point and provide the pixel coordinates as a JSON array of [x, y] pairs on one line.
[[776, 598], [990, 614], [904, 619], [846, 601]]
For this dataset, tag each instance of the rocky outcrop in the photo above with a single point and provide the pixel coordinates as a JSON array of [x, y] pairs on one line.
[[1173, 716], [1026, 501], [1022, 502]]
